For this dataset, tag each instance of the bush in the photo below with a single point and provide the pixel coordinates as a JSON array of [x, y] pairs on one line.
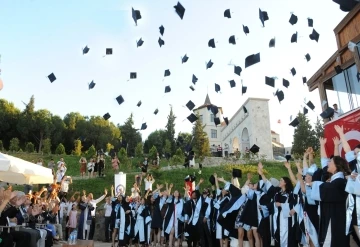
[[176, 160], [91, 152], [109, 146], [1, 145], [60, 149], [29, 148], [153, 152], [179, 153], [139, 150], [14, 145], [245, 169], [124, 160], [77, 148], [46, 149]]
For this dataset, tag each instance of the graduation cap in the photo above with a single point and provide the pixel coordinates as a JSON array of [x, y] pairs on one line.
[[209, 64], [161, 42], [243, 89], [92, 85], [272, 43], [217, 121], [136, 15], [310, 22], [194, 79], [304, 79], [214, 109], [190, 105], [245, 110], [192, 118], [180, 10], [293, 19], [308, 58], [156, 111], [237, 70], [106, 116], [232, 83], [310, 105], [338, 69], [294, 122], [270, 81], [139, 104], [232, 40], [192, 88], [280, 95], [246, 29], [263, 16], [120, 99], [226, 120], [109, 51], [212, 180], [293, 71], [211, 43], [328, 113], [294, 37], [52, 77], [86, 50], [184, 59], [133, 75], [143, 126], [167, 73], [162, 30], [167, 89], [252, 59], [314, 35], [217, 88], [305, 111], [254, 149], [236, 173], [140, 42], [227, 13], [286, 83]]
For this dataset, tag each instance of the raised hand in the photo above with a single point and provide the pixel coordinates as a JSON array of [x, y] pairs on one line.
[[322, 141], [105, 191], [287, 165], [336, 141], [171, 185], [215, 175], [339, 129], [299, 176], [249, 176], [260, 166], [201, 180]]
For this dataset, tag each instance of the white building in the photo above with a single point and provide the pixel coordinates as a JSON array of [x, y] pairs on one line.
[[244, 129]]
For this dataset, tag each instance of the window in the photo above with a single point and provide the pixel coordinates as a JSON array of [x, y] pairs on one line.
[[201, 118], [213, 133], [211, 118], [354, 86]]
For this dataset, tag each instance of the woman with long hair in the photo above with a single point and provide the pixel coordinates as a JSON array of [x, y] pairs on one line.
[[82, 163]]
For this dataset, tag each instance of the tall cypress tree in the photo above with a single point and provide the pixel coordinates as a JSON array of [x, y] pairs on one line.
[[304, 136], [170, 130], [200, 144]]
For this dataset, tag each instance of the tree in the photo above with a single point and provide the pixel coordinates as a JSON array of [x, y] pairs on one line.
[[130, 135], [109, 146], [304, 135], [59, 131], [139, 150], [153, 152], [185, 137], [319, 132], [14, 145], [46, 149], [29, 148], [91, 152], [1, 145], [43, 126], [200, 144], [157, 139], [26, 122], [167, 147], [77, 148], [9, 117], [60, 149], [170, 131]]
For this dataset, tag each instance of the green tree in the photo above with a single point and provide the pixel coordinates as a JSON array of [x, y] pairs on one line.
[[43, 126], [139, 150], [71, 121], [1, 145], [60, 149], [200, 145], [170, 131], [26, 122], [156, 138], [14, 145], [58, 132], [46, 149], [77, 148], [109, 146], [153, 152], [130, 135], [319, 132], [91, 152], [29, 148], [122, 154], [9, 117], [304, 135], [185, 137], [167, 147]]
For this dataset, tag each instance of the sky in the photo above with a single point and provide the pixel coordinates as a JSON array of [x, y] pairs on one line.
[[39, 37]]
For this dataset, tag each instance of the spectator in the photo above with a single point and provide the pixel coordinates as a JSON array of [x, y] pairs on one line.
[[65, 182], [90, 168], [61, 162], [149, 180], [51, 164]]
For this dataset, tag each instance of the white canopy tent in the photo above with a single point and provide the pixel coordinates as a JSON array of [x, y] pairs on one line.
[[18, 171]]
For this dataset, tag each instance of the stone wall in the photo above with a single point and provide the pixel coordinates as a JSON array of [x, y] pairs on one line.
[[218, 161]]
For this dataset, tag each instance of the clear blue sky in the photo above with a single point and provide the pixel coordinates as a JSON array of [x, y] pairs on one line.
[[38, 37]]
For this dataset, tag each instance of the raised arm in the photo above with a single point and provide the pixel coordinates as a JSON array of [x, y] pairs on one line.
[[322, 147], [101, 197], [216, 181], [169, 190], [112, 191], [340, 131], [261, 173], [336, 141], [306, 155], [291, 174]]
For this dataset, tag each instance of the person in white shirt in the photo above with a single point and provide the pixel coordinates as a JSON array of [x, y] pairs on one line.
[[90, 199], [108, 211], [90, 168], [149, 180], [65, 182], [61, 162], [60, 174], [337, 112]]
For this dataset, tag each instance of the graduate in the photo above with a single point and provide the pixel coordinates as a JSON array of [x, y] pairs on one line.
[[142, 225], [122, 224]]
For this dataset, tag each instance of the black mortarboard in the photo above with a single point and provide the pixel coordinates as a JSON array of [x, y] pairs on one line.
[[304, 79], [52, 77], [286, 83], [294, 37], [236, 173], [184, 59], [167, 89], [232, 83], [190, 105], [243, 89], [270, 81], [263, 17], [161, 42], [192, 118], [211, 43], [310, 105], [246, 29], [338, 69], [92, 85], [294, 122], [86, 50], [133, 75], [136, 15], [120, 99], [293, 71], [226, 120], [194, 79], [305, 111], [162, 30], [214, 109], [314, 35], [310, 22], [156, 111], [272, 43], [227, 13], [109, 51], [212, 180], [237, 70], [106, 116], [328, 113], [139, 104], [280, 95], [217, 121], [143, 126], [254, 149], [252, 59], [293, 19], [308, 58], [217, 88], [167, 72], [192, 88], [209, 64], [180, 10], [245, 110], [140, 42], [232, 40]]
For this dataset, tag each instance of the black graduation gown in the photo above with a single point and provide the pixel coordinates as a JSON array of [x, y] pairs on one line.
[[123, 241], [157, 220], [146, 213], [249, 215], [169, 213]]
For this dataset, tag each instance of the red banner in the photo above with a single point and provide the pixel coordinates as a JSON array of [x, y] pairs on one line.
[[351, 123]]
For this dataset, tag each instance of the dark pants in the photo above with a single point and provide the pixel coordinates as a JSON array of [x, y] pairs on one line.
[[101, 170], [107, 228], [193, 239], [21, 238], [92, 228], [67, 229], [204, 233]]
